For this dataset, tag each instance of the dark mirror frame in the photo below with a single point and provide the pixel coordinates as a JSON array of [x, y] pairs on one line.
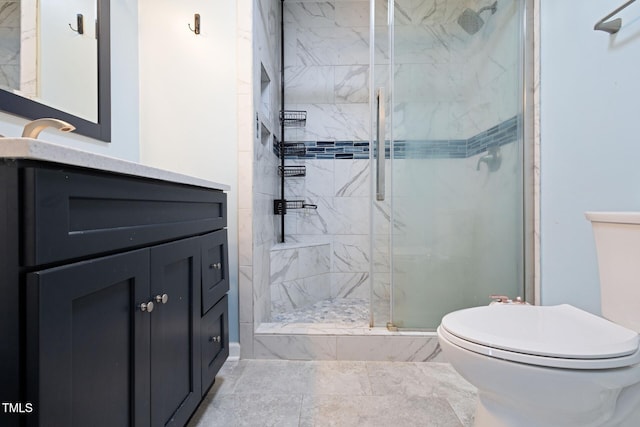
[[21, 106]]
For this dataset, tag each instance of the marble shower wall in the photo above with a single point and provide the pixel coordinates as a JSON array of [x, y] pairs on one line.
[[10, 44], [266, 75], [340, 189], [449, 85], [300, 276]]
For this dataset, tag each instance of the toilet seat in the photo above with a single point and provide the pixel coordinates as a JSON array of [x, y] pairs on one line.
[[554, 336]]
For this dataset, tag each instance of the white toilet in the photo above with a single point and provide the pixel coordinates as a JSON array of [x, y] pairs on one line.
[[559, 365]]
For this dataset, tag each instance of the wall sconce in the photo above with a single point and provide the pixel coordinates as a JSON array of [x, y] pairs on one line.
[[196, 24], [79, 24]]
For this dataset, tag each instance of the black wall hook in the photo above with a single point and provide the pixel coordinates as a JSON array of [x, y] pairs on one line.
[[79, 24], [196, 23]]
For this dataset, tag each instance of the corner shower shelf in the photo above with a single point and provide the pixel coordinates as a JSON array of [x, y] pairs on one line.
[[292, 171], [290, 204], [293, 118]]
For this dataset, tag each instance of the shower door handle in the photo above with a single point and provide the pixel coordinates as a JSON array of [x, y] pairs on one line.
[[380, 145]]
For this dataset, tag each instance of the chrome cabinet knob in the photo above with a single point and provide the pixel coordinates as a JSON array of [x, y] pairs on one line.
[[215, 339], [146, 306], [216, 265], [162, 299]]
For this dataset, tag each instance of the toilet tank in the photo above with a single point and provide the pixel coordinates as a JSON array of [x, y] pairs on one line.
[[617, 239]]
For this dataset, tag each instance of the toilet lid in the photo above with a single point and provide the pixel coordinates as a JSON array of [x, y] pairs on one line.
[[562, 332]]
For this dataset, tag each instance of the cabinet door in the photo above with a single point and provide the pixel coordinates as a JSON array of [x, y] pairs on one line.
[[88, 343], [175, 332], [215, 268], [215, 341]]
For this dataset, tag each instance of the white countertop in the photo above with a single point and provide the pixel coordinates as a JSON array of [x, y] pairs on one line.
[[35, 149]]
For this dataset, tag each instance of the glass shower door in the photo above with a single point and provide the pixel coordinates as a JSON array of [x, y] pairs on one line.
[[454, 199]]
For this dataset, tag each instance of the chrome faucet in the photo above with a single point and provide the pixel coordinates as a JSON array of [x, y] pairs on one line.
[[493, 159], [33, 128]]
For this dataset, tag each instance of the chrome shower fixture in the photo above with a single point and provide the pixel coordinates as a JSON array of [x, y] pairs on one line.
[[470, 20]]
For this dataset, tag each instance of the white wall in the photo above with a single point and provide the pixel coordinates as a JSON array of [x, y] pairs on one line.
[[188, 101], [69, 57], [124, 93], [589, 139]]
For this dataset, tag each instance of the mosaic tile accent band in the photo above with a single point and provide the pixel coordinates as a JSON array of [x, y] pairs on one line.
[[498, 135]]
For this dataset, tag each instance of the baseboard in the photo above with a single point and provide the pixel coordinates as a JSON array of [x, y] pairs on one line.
[[234, 351]]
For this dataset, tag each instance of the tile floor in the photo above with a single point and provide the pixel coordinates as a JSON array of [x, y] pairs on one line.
[[335, 393]]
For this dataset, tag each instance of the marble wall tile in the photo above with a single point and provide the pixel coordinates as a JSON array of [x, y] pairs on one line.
[[318, 286], [351, 253], [381, 253], [352, 215], [245, 294], [381, 299], [351, 84], [296, 347], [286, 296], [438, 82], [320, 178], [284, 265], [246, 340], [422, 120], [246, 129], [291, 47], [319, 221], [310, 14], [262, 310], [245, 180], [314, 260], [264, 232], [245, 236], [303, 292], [291, 225], [382, 216], [335, 215], [299, 276], [352, 178], [309, 84], [333, 122], [28, 47], [261, 284], [333, 46], [352, 13], [420, 12], [350, 285], [10, 44]]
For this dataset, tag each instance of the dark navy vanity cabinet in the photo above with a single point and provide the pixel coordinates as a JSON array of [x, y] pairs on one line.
[[114, 309]]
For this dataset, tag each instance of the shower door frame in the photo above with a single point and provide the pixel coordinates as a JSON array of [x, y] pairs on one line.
[[528, 71]]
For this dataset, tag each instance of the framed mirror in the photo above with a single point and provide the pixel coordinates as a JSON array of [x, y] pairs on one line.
[[55, 62]]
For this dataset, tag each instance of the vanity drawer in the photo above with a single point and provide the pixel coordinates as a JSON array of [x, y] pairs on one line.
[[71, 213], [215, 268], [214, 341]]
